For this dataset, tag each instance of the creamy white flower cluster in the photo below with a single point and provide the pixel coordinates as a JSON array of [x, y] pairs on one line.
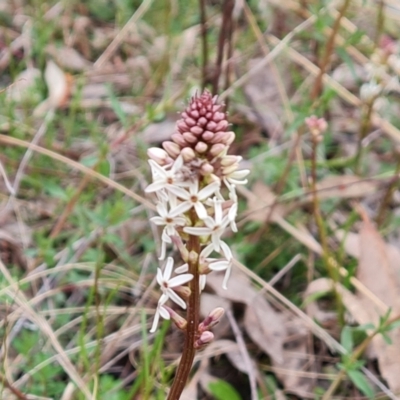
[[189, 186]]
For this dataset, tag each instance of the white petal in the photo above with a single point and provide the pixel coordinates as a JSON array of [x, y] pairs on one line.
[[178, 191], [162, 209], [208, 190], [197, 231], [181, 221], [154, 187], [239, 174], [155, 322], [237, 182], [157, 169], [210, 223], [179, 280], [178, 164], [157, 220], [226, 277], [217, 211], [160, 278], [164, 313], [183, 268], [165, 238], [226, 250], [168, 268], [176, 299], [202, 282], [163, 250], [219, 265], [180, 209], [207, 251], [200, 210], [216, 241]]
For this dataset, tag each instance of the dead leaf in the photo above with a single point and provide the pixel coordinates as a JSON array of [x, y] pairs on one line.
[[59, 85], [68, 58], [284, 340], [378, 270], [345, 187], [264, 97]]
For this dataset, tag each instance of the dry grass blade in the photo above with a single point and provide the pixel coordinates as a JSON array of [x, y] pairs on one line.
[[47, 330]]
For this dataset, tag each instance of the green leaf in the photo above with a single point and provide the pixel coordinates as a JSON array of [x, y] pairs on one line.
[[346, 338], [361, 382], [222, 390]]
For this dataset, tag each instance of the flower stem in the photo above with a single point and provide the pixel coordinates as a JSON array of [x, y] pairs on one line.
[[193, 312]]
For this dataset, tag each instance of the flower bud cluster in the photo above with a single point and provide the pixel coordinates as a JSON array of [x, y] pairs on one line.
[[382, 72], [191, 175]]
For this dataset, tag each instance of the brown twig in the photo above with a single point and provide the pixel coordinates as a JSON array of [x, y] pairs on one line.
[[330, 46], [222, 40], [204, 43], [12, 389]]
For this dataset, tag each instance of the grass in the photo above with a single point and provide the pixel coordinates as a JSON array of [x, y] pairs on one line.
[[78, 254]]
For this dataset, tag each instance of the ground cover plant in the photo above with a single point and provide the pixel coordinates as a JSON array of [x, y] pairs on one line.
[[311, 90]]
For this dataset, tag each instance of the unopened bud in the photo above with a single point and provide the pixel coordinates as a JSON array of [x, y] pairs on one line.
[[177, 240], [160, 156], [189, 137], [183, 291], [207, 136], [188, 154], [172, 148], [193, 256], [196, 130], [206, 169], [201, 147], [230, 169], [212, 319], [179, 321], [217, 149], [178, 139], [226, 161], [230, 138], [316, 125], [205, 338]]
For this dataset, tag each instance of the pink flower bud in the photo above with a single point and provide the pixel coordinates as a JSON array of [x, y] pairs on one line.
[[316, 125], [189, 137], [211, 126], [230, 138], [212, 319], [178, 139], [172, 149], [160, 156], [222, 125], [217, 149], [201, 147], [202, 121], [206, 169], [196, 130], [183, 291], [190, 121], [188, 154], [179, 321], [205, 338], [207, 136], [182, 126], [226, 161]]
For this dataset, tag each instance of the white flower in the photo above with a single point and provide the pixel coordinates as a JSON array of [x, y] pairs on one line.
[[232, 213], [167, 283], [164, 179], [236, 178], [161, 311], [202, 278], [216, 265], [169, 219], [194, 197], [215, 227]]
